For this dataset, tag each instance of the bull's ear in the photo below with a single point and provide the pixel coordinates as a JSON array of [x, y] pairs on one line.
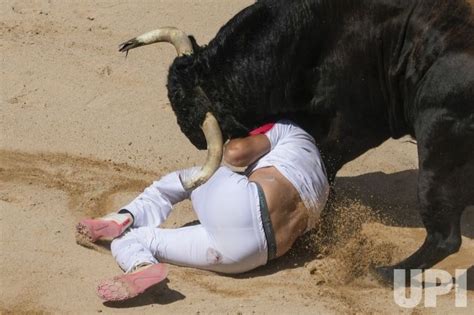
[[196, 46]]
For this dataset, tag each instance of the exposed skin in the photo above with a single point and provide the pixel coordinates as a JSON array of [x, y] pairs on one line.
[[287, 212]]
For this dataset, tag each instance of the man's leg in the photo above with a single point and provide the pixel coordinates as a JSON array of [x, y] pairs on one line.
[[186, 246], [136, 250], [153, 206], [150, 208], [230, 238]]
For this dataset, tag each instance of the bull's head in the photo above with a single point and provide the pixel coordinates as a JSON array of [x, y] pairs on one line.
[[189, 102]]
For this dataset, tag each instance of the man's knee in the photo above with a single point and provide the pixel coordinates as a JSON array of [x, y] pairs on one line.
[[213, 256]]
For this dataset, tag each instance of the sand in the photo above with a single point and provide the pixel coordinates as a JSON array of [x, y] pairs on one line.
[[83, 130]]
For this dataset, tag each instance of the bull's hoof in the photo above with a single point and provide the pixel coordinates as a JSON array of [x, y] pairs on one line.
[[384, 275]]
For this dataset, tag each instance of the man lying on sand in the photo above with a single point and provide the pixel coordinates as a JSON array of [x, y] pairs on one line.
[[245, 219]]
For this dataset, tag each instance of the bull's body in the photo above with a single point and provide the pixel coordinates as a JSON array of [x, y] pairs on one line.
[[354, 73]]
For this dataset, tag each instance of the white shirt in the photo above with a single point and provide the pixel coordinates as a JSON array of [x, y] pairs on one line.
[[294, 154]]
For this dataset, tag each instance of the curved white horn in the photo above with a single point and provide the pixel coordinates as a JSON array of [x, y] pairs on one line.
[[213, 135], [172, 35]]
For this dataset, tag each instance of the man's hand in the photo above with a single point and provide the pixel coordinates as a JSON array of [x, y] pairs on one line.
[[242, 152]]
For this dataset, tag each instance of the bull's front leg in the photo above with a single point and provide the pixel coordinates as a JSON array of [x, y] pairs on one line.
[[445, 187]]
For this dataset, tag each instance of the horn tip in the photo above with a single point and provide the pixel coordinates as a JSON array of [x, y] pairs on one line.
[[129, 44], [189, 185]]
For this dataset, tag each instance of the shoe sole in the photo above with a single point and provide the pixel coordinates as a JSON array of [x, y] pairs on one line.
[[91, 230], [130, 285]]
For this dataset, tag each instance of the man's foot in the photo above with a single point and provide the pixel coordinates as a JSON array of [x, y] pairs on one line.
[[130, 285], [108, 227]]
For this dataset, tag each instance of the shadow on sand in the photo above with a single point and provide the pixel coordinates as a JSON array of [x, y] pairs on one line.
[[394, 197], [159, 294]]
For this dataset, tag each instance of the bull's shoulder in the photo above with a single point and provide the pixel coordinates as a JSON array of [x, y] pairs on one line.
[[448, 86]]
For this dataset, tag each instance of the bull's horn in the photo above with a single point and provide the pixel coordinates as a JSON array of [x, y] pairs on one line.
[[172, 35], [213, 135]]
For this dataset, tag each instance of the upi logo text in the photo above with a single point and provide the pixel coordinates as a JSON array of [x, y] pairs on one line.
[[436, 282]]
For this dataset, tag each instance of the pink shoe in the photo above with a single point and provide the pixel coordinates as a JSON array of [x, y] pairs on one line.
[[108, 227], [132, 284]]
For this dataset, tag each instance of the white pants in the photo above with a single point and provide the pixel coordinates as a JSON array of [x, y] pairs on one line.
[[229, 239]]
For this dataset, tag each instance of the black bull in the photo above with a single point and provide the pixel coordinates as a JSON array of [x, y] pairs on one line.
[[353, 73]]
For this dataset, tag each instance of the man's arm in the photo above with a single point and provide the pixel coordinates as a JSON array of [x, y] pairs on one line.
[[244, 151]]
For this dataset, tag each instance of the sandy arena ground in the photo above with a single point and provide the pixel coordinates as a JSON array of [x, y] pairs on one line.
[[83, 130]]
